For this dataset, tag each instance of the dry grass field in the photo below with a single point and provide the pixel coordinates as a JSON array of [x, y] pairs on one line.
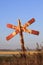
[[30, 58]]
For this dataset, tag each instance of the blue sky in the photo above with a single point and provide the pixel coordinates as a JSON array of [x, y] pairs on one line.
[[10, 12]]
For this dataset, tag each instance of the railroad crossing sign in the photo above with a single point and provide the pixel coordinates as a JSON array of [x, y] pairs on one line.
[[21, 28]]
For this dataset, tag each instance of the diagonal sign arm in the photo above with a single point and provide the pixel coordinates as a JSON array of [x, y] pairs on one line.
[[29, 22], [11, 26], [12, 35], [31, 31]]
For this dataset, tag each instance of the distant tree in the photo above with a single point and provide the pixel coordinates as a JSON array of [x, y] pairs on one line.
[[41, 47], [27, 48], [37, 47]]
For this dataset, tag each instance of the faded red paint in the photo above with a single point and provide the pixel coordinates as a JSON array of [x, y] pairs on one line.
[[9, 37], [11, 26], [35, 32]]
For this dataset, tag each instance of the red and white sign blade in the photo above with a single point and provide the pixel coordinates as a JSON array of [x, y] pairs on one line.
[[11, 26], [32, 32], [35, 32], [29, 22], [12, 35]]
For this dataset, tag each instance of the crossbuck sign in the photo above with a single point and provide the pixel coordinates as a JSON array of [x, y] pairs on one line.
[[23, 29]]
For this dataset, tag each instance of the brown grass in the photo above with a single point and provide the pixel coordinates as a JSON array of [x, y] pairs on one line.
[[19, 59]]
